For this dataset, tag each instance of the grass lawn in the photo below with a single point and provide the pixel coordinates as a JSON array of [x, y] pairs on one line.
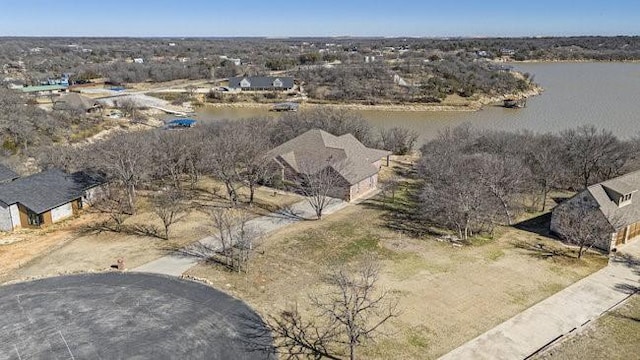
[[74, 246], [447, 295], [616, 335]]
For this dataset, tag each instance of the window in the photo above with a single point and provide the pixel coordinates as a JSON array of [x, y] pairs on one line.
[[34, 219]]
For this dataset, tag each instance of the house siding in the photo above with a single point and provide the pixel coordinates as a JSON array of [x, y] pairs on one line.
[[5, 217], [363, 187], [15, 216], [556, 219], [61, 212]]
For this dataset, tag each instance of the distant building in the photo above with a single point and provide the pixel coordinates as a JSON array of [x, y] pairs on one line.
[[138, 61], [235, 61], [75, 101], [43, 90], [258, 83]]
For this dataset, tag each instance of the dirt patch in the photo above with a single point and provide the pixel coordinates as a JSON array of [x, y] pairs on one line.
[[74, 245]]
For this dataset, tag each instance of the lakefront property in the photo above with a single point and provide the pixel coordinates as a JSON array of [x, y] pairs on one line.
[[354, 165], [615, 205]]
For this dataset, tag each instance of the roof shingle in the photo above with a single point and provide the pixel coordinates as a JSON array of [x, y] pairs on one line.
[[48, 189], [316, 149]]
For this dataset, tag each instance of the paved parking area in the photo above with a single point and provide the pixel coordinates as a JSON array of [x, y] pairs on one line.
[[125, 316]]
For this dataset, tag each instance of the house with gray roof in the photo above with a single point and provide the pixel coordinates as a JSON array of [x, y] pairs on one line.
[[616, 205], [261, 83], [356, 165], [7, 174], [77, 102], [46, 198]]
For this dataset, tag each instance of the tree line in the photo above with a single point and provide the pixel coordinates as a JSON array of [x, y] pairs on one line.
[[474, 180], [233, 152]]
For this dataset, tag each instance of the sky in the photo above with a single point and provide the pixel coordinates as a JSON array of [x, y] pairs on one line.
[[280, 18]]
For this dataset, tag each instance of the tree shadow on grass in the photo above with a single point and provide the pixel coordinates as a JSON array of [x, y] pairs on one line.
[[140, 230], [538, 225], [543, 251], [401, 213]]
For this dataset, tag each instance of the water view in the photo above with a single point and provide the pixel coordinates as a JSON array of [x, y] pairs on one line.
[[602, 94]]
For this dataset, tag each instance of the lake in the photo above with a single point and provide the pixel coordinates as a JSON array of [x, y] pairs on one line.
[[606, 95]]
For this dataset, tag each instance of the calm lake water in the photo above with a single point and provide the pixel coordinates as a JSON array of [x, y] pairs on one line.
[[603, 94]]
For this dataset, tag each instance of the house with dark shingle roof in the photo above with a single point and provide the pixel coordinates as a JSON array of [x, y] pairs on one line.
[[7, 174], [75, 101], [261, 83], [615, 202], [315, 150], [46, 198]]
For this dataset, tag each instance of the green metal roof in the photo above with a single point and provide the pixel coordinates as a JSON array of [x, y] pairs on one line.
[[28, 89]]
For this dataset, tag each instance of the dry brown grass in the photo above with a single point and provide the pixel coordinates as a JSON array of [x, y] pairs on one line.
[[616, 335], [447, 295], [75, 245]]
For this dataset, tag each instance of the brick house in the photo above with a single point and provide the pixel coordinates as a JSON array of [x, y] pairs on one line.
[[355, 165], [45, 198], [614, 200]]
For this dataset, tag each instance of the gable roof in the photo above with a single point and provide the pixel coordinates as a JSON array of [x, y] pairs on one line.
[[7, 174], [617, 216], [48, 189], [75, 101], [316, 149], [36, 88], [261, 82]]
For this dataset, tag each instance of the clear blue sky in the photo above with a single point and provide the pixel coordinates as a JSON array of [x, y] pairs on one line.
[[318, 18]]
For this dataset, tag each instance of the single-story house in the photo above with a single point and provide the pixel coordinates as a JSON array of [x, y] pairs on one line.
[[355, 165], [75, 101], [614, 200], [257, 83], [46, 198], [44, 90], [7, 174]]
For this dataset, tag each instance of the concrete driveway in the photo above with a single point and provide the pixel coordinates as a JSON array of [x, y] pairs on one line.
[[179, 262], [559, 314]]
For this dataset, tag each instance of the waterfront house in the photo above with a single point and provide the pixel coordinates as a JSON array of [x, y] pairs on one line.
[[261, 83], [615, 202], [355, 165], [46, 198]]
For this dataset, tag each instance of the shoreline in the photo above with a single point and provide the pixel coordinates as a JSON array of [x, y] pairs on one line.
[[472, 105]]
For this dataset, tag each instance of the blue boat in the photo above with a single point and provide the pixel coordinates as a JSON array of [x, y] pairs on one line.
[[180, 123]]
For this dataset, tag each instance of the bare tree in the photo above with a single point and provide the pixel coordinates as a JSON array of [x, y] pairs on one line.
[[583, 224], [543, 156], [592, 155], [399, 141], [169, 208], [317, 181], [352, 312], [113, 202], [233, 241], [125, 158]]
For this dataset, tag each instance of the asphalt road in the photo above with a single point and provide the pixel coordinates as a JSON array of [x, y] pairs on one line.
[[126, 316]]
